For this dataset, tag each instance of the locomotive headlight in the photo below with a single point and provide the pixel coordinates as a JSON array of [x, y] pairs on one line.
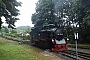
[[57, 34], [52, 40]]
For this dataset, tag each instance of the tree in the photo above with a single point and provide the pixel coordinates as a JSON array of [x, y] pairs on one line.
[[80, 14], [4, 29], [9, 11], [13, 31], [62, 8], [44, 13]]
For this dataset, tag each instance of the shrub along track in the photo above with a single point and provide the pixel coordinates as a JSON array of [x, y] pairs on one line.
[[19, 41], [68, 54]]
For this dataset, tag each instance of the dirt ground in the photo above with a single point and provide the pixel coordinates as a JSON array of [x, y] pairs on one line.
[[47, 55], [50, 56]]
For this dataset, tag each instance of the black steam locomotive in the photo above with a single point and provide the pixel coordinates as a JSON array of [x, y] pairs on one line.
[[49, 37]]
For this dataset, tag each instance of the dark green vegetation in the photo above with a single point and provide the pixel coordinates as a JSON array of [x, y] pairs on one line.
[[74, 15], [25, 28], [21, 33], [10, 50], [9, 11], [44, 13]]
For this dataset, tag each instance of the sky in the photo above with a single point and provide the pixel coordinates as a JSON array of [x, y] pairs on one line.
[[26, 11]]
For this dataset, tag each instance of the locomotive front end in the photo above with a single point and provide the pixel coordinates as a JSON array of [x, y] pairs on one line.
[[60, 41]]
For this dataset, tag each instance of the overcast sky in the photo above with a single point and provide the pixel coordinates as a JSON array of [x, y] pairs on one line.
[[26, 11]]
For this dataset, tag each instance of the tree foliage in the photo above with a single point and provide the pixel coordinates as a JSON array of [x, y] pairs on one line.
[[9, 11], [4, 29], [44, 13], [76, 12]]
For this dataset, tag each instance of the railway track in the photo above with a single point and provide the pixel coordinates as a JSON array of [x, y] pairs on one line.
[[69, 54], [80, 47], [72, 55]]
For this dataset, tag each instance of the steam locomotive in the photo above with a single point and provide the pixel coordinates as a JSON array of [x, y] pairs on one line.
[[49, 37]]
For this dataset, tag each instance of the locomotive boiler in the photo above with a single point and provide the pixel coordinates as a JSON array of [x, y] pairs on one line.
[[49, 37]]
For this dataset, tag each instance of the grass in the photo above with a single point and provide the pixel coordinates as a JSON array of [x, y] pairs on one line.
[[13, 51]]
